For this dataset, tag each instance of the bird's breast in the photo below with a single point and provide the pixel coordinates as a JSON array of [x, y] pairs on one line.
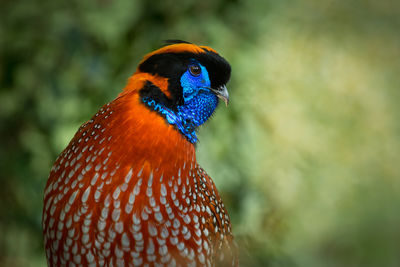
[[128, 189]]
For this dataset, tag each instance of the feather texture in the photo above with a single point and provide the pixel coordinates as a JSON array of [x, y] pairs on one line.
[[128, 191]]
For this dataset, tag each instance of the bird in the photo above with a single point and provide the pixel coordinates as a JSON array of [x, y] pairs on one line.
[[127, 190]]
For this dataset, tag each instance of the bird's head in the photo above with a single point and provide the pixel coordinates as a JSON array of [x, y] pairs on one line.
[[183, 83]]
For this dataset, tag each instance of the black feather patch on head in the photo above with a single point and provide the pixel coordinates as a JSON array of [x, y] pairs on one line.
[[151, 91], [218, 68], [171, 67]]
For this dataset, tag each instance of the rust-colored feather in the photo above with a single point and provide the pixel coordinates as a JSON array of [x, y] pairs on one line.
[[128, 191]]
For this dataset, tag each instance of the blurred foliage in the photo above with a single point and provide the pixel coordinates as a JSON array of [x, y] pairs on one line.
[[306, 156]]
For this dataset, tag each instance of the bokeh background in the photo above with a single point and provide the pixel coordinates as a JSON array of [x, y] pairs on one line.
[[306, 156]]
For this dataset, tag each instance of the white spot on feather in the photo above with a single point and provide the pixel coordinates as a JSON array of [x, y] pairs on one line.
[[85, 195]]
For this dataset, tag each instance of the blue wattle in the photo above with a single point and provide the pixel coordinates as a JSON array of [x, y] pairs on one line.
[[188, 116]]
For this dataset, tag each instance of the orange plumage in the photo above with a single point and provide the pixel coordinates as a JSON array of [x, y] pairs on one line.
[[128, 191]]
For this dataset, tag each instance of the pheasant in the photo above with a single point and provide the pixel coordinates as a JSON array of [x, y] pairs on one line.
[[127, 190]]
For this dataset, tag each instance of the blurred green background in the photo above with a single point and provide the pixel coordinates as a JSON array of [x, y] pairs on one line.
[[306, 156]]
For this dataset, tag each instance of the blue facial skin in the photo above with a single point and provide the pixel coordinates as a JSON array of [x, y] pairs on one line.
[[199, 103]]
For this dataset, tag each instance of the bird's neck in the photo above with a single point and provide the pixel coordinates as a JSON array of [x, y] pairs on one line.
[[185, 117], [180, 118], [144, 132], [188, 117]]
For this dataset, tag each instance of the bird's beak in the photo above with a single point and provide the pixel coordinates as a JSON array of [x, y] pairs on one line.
[[222, 93]]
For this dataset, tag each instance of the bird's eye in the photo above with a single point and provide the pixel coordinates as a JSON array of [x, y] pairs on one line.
[[195, 70]]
